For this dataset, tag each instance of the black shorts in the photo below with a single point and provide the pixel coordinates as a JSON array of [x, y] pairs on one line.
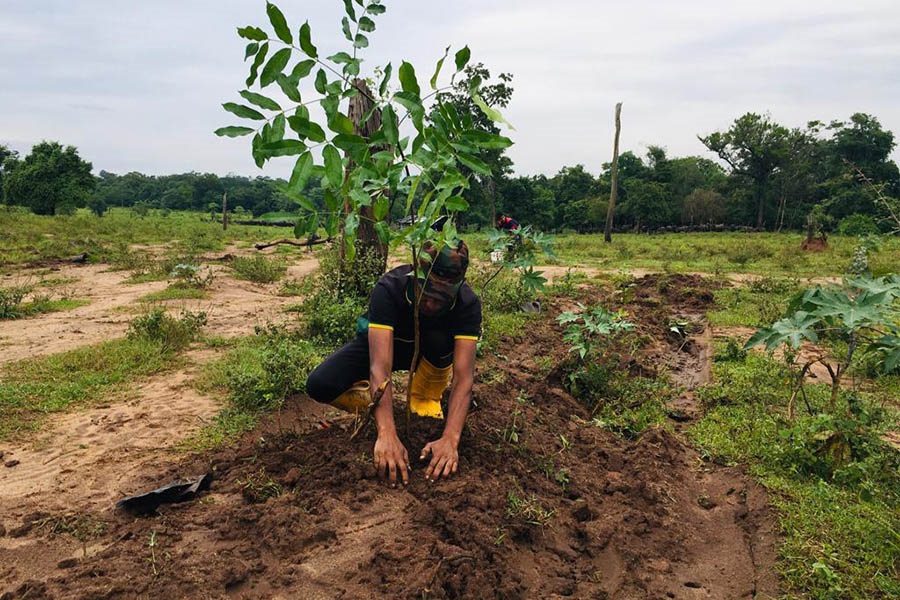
[[350, 363]]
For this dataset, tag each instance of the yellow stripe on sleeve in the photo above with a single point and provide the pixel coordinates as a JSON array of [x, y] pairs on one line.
[[466, 337], [377, 326]]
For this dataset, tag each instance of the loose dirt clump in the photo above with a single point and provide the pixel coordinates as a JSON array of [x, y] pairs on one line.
[[545, 505]]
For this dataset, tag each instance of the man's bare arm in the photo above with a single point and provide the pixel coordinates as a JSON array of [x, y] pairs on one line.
[[391, 458], [444, 452]]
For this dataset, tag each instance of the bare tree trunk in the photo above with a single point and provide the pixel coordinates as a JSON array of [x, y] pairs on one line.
[[611, 209], [225, 211], [371, 251]]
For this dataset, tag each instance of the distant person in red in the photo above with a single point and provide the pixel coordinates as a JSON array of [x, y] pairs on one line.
[[507, 223]]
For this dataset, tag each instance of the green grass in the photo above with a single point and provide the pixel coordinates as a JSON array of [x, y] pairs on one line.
[[42, 306], [27, 238], [256, 375], [754, 304], [839, 520], [32, 389], [770, 254], [174, 292]]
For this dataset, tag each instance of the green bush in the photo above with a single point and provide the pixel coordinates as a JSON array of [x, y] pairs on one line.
[[856, 225], [11, 301], [272, 367], [258, 269], [172, 333], [505, 293]]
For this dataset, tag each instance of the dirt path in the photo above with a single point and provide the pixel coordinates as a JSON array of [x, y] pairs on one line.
[[233, 308], [299, 515]]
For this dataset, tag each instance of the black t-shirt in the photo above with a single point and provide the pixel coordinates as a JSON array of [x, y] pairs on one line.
[[391, 307]]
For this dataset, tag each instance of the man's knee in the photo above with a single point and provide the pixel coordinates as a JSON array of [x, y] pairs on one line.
[[320, 387]]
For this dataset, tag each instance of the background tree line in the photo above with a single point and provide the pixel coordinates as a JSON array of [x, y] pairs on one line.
[[767, 177]]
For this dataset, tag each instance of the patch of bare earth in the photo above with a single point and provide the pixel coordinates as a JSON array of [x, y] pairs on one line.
[[299, 514], [234, 307]]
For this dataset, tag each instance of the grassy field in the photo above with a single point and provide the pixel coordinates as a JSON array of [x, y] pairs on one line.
[[838, 519], [772, 254], [27, 238]]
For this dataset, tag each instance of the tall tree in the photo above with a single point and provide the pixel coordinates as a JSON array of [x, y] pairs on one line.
[[8, 160], [51, 178], [755, 147]]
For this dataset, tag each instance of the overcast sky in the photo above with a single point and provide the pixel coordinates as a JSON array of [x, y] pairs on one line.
[[137, 86]]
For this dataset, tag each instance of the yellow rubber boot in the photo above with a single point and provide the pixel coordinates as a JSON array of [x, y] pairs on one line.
[[354, 400], [428, 385]]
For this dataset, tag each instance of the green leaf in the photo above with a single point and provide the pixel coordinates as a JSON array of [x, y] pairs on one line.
[[304, 202], [305, 40], [340, 58], [279, 23], [413, 104], [345, 27], [348, 8], [277, 128], [380, 207], [321, 81], [354, 144], [284, 148], [456, 203], [302, 69], [340, 123], [361, 41], [462, 58], [301, 173], [234, 131], [366, 24], [252, 33], [437, 69], [332, 202], [375, 9], [260, 100], [275, 66], [334, 167], [257, 62], [487, 141], [331, 224], [408, 79], [491, 113], [384, 233], [385, 80], [389, 125], [243, 111], [252, 48], [300, 227], [473, 163], [289, 86]]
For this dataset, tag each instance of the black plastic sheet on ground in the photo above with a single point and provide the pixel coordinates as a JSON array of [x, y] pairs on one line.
[[179, 491]]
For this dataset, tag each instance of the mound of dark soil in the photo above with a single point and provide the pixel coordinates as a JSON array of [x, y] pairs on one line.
[[545, 505]]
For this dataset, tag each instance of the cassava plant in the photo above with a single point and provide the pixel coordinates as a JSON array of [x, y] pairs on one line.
[[297, 98]]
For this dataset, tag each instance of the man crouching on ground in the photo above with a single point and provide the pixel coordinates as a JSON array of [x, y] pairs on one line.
[[449, 327]]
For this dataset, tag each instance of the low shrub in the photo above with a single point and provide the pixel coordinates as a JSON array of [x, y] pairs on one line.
[[258, 269], [172, 333]]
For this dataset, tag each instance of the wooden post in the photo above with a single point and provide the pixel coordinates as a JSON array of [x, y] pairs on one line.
[[611, 210], [225, 211]]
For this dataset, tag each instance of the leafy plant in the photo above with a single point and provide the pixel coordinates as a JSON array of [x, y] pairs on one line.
[[188, 275], [367, 162], [862, 315], [591, 327], [258, 269], [172, 333]]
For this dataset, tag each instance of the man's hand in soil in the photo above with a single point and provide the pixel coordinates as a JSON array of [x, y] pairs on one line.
[[391, 458], [444, 458]]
